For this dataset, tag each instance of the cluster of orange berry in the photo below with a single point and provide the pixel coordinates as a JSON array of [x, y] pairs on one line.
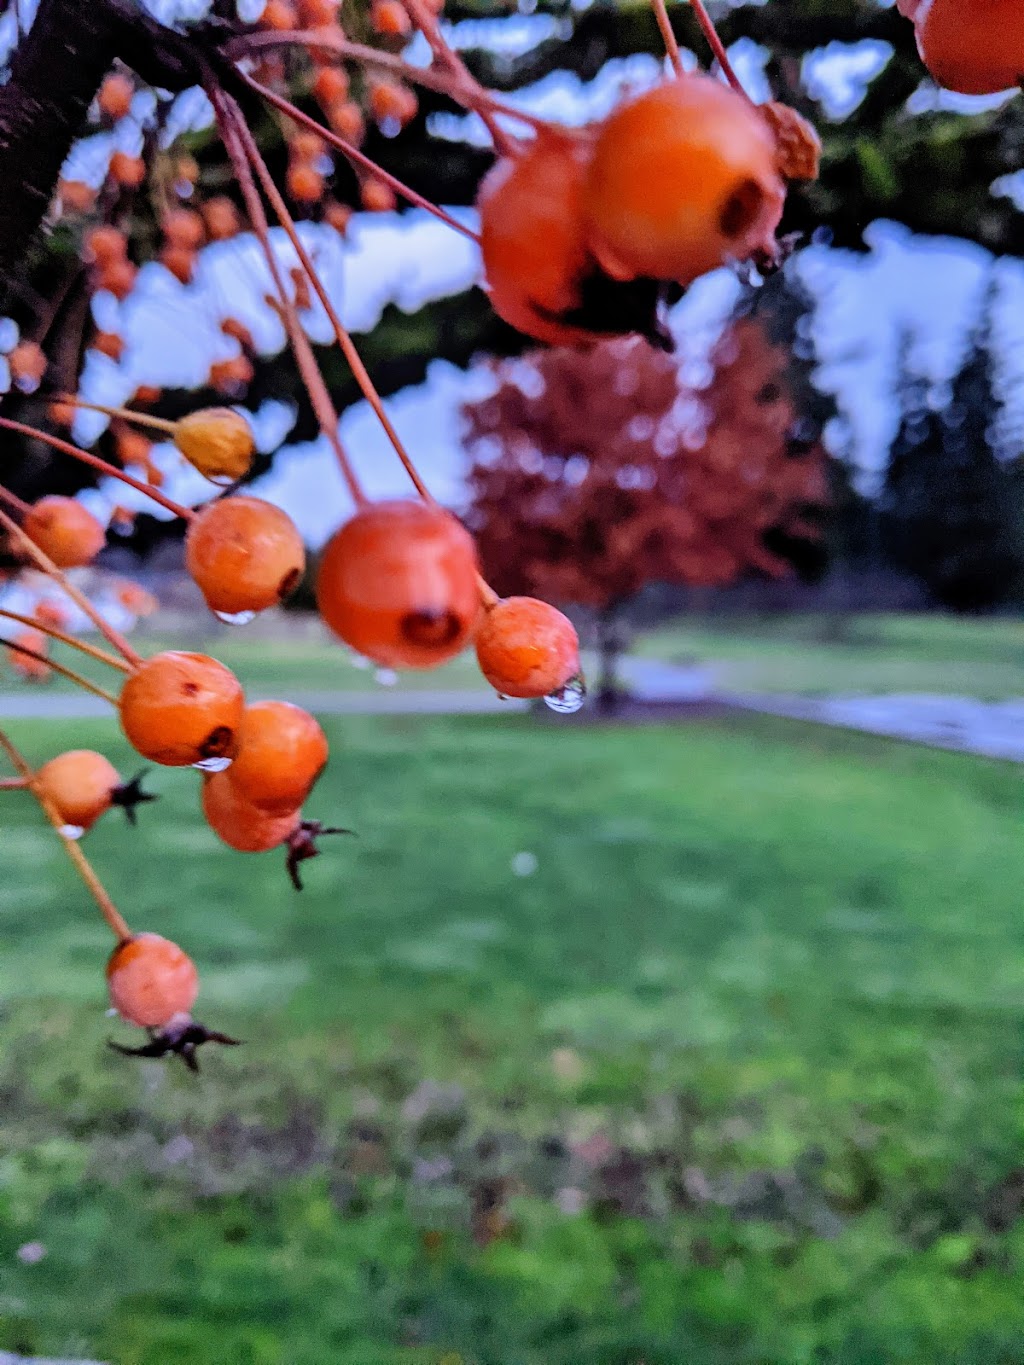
[[975, 47], [577, 226]]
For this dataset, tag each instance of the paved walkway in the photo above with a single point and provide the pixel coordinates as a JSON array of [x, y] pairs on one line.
[[993, 729]]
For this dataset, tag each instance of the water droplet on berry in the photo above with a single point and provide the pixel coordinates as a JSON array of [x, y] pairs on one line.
[[235, 618], [212, 765], [359, 661], [110, 1014], [72, 831], [568, 698], [387, 677]]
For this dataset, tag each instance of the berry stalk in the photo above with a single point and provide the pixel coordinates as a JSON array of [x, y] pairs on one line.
[[104, 466], [94, 653], [143, 419], [108, 909], [668, 36], [235, 133], [65, 672], [359, 370], [46, 564], [717, 46], [12, 500]]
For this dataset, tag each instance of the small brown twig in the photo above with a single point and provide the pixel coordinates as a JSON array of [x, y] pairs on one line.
[[668, 36], [717, 47]]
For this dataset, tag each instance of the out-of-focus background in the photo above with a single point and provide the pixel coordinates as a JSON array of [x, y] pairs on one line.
[[687, 1030]]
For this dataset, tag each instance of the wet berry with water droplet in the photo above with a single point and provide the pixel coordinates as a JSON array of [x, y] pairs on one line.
[[527, 648], [80, 784], [178, 709], [245, 554], [64, 530], [398, 583], [975, 47], [240, 824]]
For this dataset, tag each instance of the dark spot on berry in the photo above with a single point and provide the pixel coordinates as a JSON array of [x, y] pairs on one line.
[[769, 393], [430, 628], [740, 210], [289, 583], [217, 742], [190, 689]]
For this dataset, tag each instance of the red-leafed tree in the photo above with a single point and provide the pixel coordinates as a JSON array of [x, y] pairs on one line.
[[596, 473]]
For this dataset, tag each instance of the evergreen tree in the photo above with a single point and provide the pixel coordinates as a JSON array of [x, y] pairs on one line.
[[951, 508]]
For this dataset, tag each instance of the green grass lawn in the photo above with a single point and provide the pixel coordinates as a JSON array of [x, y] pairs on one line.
[[816, 654], [732, 1078]]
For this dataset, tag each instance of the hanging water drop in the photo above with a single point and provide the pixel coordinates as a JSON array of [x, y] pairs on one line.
[[387, 677], [569, 698], [212, 765], [359, 661], [72, 831], [235, 618]]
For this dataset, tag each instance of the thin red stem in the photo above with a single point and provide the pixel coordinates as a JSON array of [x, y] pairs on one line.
[[237, 140], [46, 564], [717, 47], [668, 36], [358, 158], [12, 500], [13, 784], [345, 341], [108, 909], [103, 466]]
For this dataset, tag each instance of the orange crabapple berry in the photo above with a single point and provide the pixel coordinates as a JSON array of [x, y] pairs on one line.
[[279, 15], [109, 344], [81, 785], [180, 709], [527, 648], [330, 84], [221, 217], [304, 183], [61, 414], [237, 330], [146, 395], [49, 613], [76, 196], [137, 599], [975, 47], [27, 363], [346, 119], [216, 441], [118, 277], [115, 97], [64, 530], [682, 179], [240, 824], [306, 146], [337, 216], [281, 752], [132, 446], [244, 554], [151, 980], [180, 261], [126, 170], [389, 100], [105, 244], [32, 670], [535, 255], [377, 197], [389, 18], [184, 228], [231, 377], [317, 13], [398, 583]]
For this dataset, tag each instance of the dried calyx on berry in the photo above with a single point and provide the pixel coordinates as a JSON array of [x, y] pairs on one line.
[[180, 1037], [301, 844], [128, 795]]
